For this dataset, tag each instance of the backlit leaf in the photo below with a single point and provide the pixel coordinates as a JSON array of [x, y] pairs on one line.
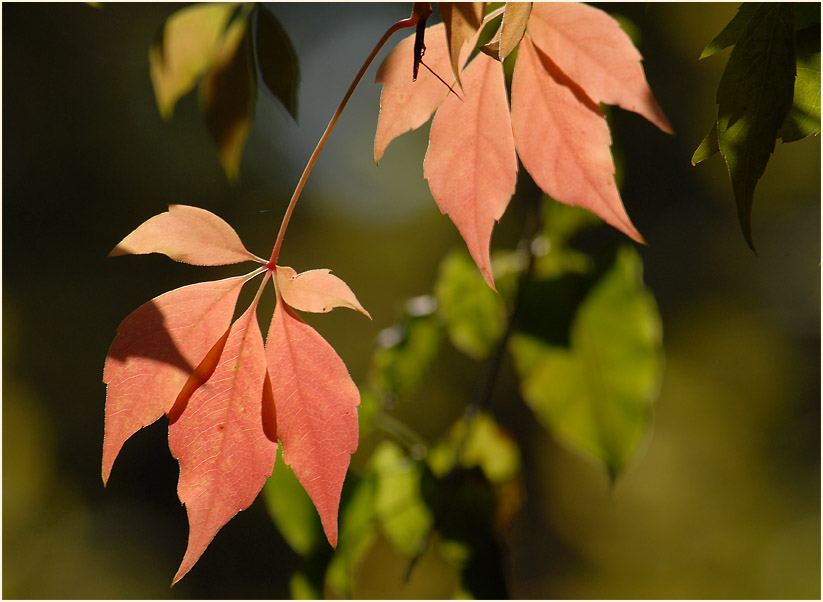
[[511, 31], [753, 98], [188, 234], [228, 94], [316, 402], [190, 40], [277, 59], [803, 118], [563, 139], [733, 30], [462, 20], [315, 291], [596, 394], [471, 164], [591, 49], [224, 453], [708, 147], [156, 348]]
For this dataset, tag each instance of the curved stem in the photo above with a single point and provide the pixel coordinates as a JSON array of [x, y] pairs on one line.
[[410, 22]]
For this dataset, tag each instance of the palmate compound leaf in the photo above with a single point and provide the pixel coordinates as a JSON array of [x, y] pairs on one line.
[[563, 139], [221, 441], [591, 49], [471, 164], [187, 234], [316, 404], [156, 349]]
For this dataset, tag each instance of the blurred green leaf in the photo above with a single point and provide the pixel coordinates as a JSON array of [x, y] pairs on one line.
[[753, 98], [474, 314], [403, 516], [733, 30], [707, 148], [228, 94], [277, 60], [596, 395], [292, 510], [188, 45], [561, 223], [803, 118]]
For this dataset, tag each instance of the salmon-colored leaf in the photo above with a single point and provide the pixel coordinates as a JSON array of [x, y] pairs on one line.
[[471, 164], [462, 20], [228, 94], [593, 51], [316, 404], [563, 139], [186, 50], [511, 30], [315, 291], [406, 104], [156, 349], [187, 234], [224, 453]]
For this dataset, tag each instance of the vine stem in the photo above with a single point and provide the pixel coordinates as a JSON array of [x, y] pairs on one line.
[[410, 22]]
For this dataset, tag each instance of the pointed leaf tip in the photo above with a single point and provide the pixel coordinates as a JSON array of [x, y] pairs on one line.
[[316, 291], [189, 235]]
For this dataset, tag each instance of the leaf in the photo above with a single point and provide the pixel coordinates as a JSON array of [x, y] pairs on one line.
[[591, 49], [733, 30], [511, 31], [156, 348], [316, 402], [753, 98], [462, 20], [474, 314], [803, 118], [315, 291], [188, 45], [708, 147], [563, 139], [228, 94], [406, 104], [471, 164], [596, 395], [219, 440], [277, 59], [187, 234]]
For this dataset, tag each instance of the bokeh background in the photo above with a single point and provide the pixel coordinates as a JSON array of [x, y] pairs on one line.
[[723, 503]]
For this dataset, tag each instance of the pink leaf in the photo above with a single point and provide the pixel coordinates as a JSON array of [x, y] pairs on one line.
[[316, 406], [224, 453], [316, 291], [471, 164], [590, 48], [406, 104], [563, 139], [156, 349], [187, 234]]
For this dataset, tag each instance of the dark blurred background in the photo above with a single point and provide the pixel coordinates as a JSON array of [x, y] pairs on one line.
[[723, 503]]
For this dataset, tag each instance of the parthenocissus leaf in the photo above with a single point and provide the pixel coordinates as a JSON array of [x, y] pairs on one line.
[[462, 20], [512, 28], [316, 406], [471, 164], [187, 234], [316, 291], [219, 440], [156, 348]]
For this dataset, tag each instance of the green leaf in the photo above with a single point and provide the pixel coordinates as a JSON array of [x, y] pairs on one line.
[[753, 98], [187, 48], [596, 394], [292, 510], [228, 94], [733, 30], [561, 223], [803, 118], [403, 516], [707, 148], [474, 314], [277, 60]]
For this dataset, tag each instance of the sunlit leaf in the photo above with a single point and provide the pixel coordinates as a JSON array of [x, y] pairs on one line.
[[595, 395], [708, 147], [803, 118], [277, 60], [462, 20], [511, 30], [733, 30], [753, 98], [188, 234], [315, 291], [474, 314]]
